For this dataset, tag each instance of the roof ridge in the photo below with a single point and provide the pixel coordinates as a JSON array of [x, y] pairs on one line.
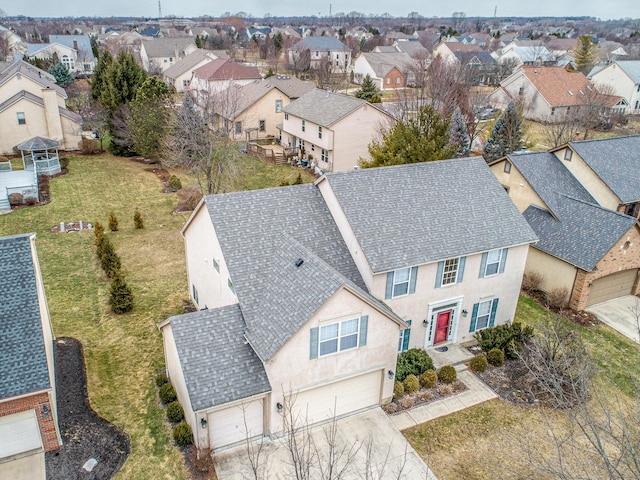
[[604, 139], [600, 207]]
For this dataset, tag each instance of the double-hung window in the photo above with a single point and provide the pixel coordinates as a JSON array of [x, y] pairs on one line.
[[403, 341], [319, 132], [493, 262], [450, 271], [278, 106], [339, 336], [21, 118], [303, 125], [401, 282], [484, 315]]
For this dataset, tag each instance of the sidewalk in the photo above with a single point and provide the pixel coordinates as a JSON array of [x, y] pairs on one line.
[[477, 392]]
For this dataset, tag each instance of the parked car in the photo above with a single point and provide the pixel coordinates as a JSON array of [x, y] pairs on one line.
[[487, 113]]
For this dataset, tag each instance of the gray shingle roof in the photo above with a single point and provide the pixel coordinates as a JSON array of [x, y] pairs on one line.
[[188, 63], [584, 233], [548, 177], [23, 361], [166, 47], [421, 213], [631, 68], [323, 107], [39, 76], [81, 43], [38, 143], [321, 44], [616, 161], [218, 366], [383, 63], [262, 233]]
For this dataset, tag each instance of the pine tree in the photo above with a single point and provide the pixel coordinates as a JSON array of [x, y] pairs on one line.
[[113, 222], [98, 79], [109, 259], [459, 136], [98, 231], [121, 299], [584, 54], [122, 79], [137, 220], [149, 117], [269, 73], [61, 74], [368, 91], [198, 41], [506, 135]]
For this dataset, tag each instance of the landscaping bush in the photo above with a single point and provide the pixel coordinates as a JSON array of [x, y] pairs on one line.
[[495, 357], [500, 336], [478, 363], [531, 282], [102, 245], [406, 402], [98, 231], [113, 222], [137, 220], [189, 197], [411, 384], [32, 201], [161, 379], [398, 390], [110, 260], [64, 163], [174, 184], [175, 413], [88, 146], [447, 374], [167, 393], [513, 350], [298, 180], [429, 379], [182, 435], [121, 299], [16, 199], [557, 298], [414, 361]]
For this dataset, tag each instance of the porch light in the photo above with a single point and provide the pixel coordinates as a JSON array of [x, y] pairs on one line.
[[45, 410], [391, 374], [279, 407], [465, 313], [203, 422], [424, 322]]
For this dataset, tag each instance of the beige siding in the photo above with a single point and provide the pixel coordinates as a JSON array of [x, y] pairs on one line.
[[613, 78], [519, 189], [15, 85], [557, 274], [263, 109], [379, 353], [201, 248]]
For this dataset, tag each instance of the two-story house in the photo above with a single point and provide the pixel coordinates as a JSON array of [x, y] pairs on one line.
[[159, 54], [582, 201], [84, 61], [311, 52], [180, 73], [620, 77], [334, 129], [335, 278], [387, 70], [218, 75]]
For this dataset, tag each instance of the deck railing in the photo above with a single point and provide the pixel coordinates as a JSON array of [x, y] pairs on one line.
[[6, 167]]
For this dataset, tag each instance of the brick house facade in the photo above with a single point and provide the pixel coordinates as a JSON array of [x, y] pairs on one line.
[[42, 404]]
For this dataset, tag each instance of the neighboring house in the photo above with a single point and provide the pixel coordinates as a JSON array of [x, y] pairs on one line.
[[255, 110], [323, 278], [31, 104], [537, 55], [413, 48], [586, 250], [180, 73], [85, 61], [447, 50], [28, 412], [621, 77], [335, 129], [158, 54], [313, 51], [387, 70], [50, 51], [218, 75], [551, 94], [479, 67], [16, 45]]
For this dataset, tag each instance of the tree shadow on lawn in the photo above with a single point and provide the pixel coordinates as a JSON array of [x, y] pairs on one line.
[[84, 433]]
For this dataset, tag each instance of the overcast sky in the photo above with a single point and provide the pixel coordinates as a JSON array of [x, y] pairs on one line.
[[604, 9]]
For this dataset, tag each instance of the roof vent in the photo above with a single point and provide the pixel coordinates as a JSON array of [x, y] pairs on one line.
[[299, 262], [570, 92]]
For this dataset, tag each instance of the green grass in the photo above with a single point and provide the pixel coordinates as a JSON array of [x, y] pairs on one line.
[[122, 352]]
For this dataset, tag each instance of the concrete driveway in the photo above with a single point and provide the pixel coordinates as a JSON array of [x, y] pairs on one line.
[[621, 314], [390, 457]]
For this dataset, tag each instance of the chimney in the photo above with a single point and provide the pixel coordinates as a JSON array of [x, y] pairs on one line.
[[52, 114], [176, 53], [75, 45]]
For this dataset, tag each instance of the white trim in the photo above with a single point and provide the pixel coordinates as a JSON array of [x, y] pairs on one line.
[[434, 308], [322, 383], [235, 403]]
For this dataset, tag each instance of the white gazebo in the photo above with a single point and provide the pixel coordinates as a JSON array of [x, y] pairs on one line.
[[42, 153]]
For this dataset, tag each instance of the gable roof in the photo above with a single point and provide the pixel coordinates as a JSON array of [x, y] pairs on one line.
[[23, 361], [321, 44], [80, 43], [462, 47], [457, 207], [277, 227], [383, 63], [530, 54], [411, 48], [225, 69], [616, 161], [166, 47], [325, 108], [218, 366], [483, 57], [189, 62], [38, 101], [40, 77], [630, 67], [584, 233]]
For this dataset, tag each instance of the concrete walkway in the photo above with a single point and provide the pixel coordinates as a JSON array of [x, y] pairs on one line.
[[477, 392], [621, 314]]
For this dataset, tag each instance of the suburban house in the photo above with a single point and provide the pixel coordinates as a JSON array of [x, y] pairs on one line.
[[48, 51], [158, 54], [479, 67], [387, 70], [180, 73], [217, 75], [589, 246], [313, 51], [31, 104], [334, 279], [551, 94], [15, 44], [28, 413], [84, 61], [447, 50], [334, 129], [255, 110], [621, 77], [536, 55]]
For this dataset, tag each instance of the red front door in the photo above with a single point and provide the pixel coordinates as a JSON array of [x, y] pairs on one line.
[[442, 327]]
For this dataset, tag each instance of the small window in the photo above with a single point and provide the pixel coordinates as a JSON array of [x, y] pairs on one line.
[[450, 272], [521, 91], [231, 287], [493, 262], [567, 154], [262, 125], [484, 314], [238, 127], [303, 125], [403, 341], [337, 337], [325, 156], [185, 83], [21, 119], [215, 264], [286, 116], [401, 282], [194, 294], [278, 106], [507, 167], [398, 80], [388, 80], [553, 110], [319, 132]]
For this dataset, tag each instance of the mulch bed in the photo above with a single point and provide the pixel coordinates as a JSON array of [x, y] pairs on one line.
[[423, 397], [510, 382], [85, 434]]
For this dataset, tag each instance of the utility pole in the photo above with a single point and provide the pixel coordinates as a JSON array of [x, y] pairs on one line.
[[495, 11], [159, 9]]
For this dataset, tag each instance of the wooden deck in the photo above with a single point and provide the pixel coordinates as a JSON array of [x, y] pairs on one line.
[[271, 153]]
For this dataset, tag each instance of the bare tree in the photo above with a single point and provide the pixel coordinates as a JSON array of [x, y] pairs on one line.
[[556, 133]]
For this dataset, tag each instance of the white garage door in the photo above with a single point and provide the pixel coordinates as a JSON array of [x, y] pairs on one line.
[[228, 426], [612, 286], [345, 396]]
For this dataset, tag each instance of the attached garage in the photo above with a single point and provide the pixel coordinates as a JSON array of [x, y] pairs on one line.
[[345, 396], [612, 286], [21, 448], [235, 424]]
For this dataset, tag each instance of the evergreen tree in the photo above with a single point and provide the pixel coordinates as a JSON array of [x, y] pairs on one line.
[[149, 116], [460, 139], [137, 220], [584, 54], [269, 73], [113, 222], [98, 79], [121, 297], [121, 82], [198, 41], [368, 91], [61, 74], [421, 139], [506, 135], [110, 260], [98, 231]]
